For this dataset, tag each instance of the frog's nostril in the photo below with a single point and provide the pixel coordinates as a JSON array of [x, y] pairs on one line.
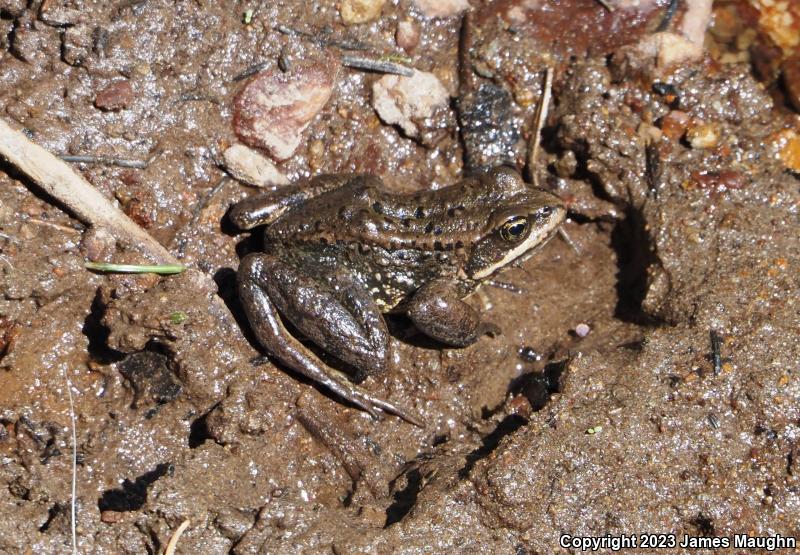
[[546, 211]]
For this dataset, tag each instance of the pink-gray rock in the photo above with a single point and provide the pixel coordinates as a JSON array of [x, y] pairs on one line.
[[407, 34], [360, 11], [116, 96], [248, 166], [274, 108], [441, 8], [402, 100]]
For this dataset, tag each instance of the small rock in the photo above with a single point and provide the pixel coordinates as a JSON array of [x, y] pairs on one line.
[[97, 244], [407, 35], [110, 517], [360, 11], [34, 43], [76, 44], [582, 330], [441, 8], [14, 8], [274, 108], [248, 166], [149, 374], [788, 144], [718, 181], [116, 96], [790, 72], [674, 124], [400, 100], [703, 135], [58, 16]]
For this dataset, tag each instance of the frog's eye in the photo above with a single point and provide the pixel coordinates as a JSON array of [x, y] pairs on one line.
[[514, 229]]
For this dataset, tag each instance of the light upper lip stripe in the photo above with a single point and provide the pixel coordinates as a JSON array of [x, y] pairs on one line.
[[529, 243]]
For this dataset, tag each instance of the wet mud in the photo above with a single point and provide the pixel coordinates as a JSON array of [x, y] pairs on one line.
[[647, 375]]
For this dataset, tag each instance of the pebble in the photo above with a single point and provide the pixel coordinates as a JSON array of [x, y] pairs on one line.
[[360, 11], [703, 135], [97, 244], [274, 108], [76, 44], [116, 96], [674, 124], [788, 144], [248, 166], [441, 8], [110, 517], [407, 35], [790, 72], [55, 15], [400, 100], [582, 330]]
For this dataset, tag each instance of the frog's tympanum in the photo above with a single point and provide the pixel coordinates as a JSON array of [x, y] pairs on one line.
[[339, 251]]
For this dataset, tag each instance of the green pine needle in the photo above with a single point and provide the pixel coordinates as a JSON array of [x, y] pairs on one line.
[[162, 269]]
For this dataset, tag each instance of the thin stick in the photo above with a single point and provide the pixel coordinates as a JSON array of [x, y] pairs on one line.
[[568, 240], [74, 464], [59, 227], [606, 5], [541, 117], [252, 70], [59, 180], [173, 541], [381, 66], [105, 160]]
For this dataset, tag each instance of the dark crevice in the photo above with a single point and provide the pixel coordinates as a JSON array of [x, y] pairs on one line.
[[198, 431], [132, 495], [538, 387], [97, 334], [151, 375], [404, 499], [703, 525], [52, 514], [507, 426], [632, 243]]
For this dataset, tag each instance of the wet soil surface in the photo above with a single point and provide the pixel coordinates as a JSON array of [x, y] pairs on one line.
[[646, 380]]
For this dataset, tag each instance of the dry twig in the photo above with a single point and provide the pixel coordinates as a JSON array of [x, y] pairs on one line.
[[173, 541], [57, 179]]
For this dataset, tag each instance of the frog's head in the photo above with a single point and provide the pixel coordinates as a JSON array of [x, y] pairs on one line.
[[524, 218]]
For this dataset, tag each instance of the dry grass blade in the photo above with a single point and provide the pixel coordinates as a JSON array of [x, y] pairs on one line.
[[173, 541], [74, 465], [541, 117], [59, 180]]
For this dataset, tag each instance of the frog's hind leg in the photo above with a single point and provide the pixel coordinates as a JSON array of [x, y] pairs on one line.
[[343, 323]]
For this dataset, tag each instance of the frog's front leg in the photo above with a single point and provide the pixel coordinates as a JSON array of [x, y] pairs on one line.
[[339, 319], [437, 311]]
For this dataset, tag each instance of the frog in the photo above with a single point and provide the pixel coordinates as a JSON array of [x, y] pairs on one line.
[[340, 251]]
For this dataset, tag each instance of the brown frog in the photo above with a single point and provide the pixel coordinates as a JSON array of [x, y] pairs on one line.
[[340, 251]]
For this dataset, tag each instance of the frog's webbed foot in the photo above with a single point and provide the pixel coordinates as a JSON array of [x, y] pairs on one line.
[[345, 323], [437, 311]]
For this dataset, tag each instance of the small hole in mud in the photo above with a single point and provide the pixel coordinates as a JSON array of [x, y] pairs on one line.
[[97, 334], [132, 495], [404, 499], [439, 440], [631, 242], [52, 513], [507, 426], [198, 431], [704, 525]]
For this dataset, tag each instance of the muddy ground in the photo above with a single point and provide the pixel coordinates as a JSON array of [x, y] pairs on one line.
[[683, 184]]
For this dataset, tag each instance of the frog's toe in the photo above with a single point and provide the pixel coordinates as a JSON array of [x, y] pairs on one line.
[[367, 402]]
